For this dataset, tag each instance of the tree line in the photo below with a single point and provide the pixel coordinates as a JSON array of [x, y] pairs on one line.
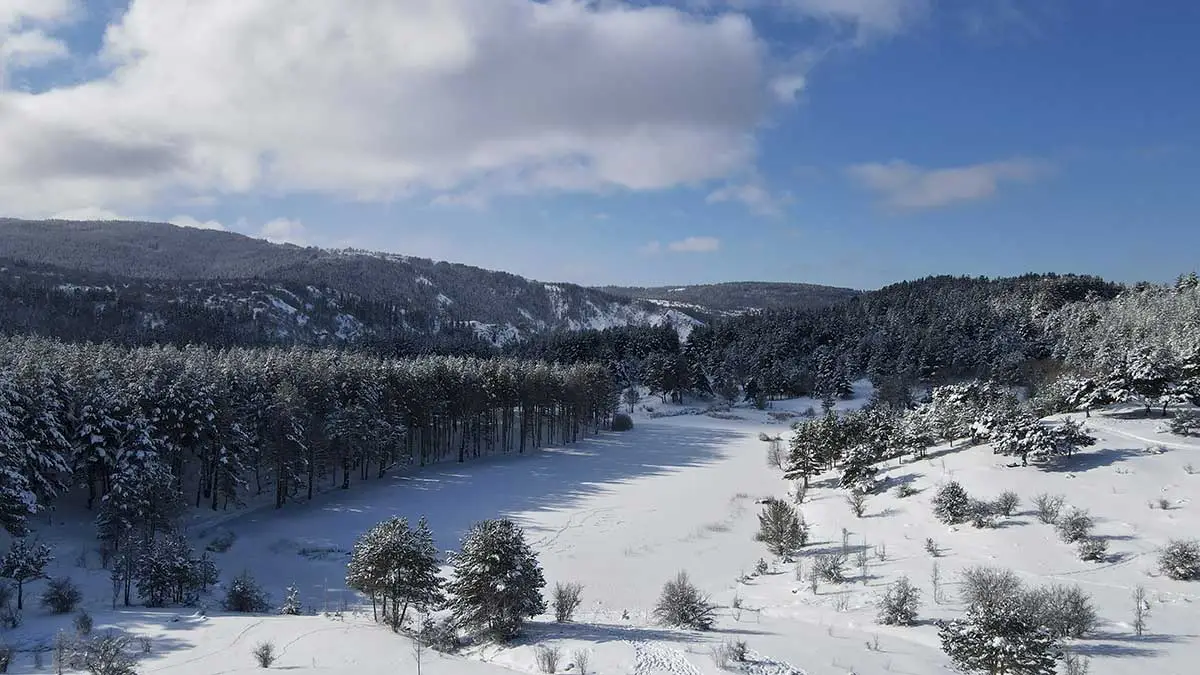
[[141, 430]]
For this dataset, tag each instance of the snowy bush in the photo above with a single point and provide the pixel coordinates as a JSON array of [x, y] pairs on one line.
[[1049, 507], [291, 603], [952, 505], [222, 542], [681, 604], [1006, 504], [857, 501], [61, 596], [264, 654], [1093, 549], [441, 635], [246, 596], [567, 598], [1180, 560], [497, 582], [1066, 611], [761, 567], [1000, 638], [830, 567], [781, 528], [1074, 525], [547, 658], [1185, 422], [984, 586], [109, 654], [622, 422], [931, 547], [982, 514], [83, 623], [900, 604], [905, 490]]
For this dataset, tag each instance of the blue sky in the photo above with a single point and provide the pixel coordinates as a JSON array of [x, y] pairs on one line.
[[847, 142]]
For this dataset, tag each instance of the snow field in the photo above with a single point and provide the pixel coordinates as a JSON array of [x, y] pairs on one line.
[[622, 513]]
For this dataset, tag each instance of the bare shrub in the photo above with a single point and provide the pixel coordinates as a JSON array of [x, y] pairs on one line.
[[567, 598], [720, 655], [1141, 609], [1074, 525], [776, 458], [1006, 504], [681, 604], [83, 623], [830, 567], [264, 654], [1162, 503], [1066, 611], [1074, 664], [1049, 507], [881, 551], [109, 654], [983, 587], [931, 547], [1093, 549], [582, 660], [547, 658], [857, 501], [1180, 559], [905, 490], [982, 514], [6, 656], [900, 604], [61, 596]]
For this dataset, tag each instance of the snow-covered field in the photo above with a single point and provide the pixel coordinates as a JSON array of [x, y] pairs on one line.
[[624, 512]]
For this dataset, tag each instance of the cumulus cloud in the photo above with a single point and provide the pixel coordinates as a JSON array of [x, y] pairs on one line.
[[375, 100], [903, 185], [284, 231], [190, 221], [754, 195], [695, 245]]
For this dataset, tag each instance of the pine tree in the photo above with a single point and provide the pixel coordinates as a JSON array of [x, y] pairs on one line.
[[24, 562], [781, 529], [398, 566], [999, 639], [952, 505], [291, 603], [497, 580]]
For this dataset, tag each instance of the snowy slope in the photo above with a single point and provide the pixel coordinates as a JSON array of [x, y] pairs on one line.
[[622, 513]]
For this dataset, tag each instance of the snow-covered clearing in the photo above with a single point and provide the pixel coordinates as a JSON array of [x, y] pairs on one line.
[[622, 513]]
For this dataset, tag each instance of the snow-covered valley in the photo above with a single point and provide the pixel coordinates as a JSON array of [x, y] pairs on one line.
[[624, 512]]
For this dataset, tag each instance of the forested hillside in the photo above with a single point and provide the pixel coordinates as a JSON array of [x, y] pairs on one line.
[[739, 296], [154, 282]]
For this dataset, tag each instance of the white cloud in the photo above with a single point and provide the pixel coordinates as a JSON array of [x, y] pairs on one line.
[[651, 248], [695, 245], [88, 213], [754, 195], [189, 221], [377, 99], [284, 231], [903, 185], [868, 17], [24, 40]]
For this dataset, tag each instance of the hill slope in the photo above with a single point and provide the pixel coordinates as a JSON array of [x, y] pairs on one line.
[[739, 296], [142, 276]]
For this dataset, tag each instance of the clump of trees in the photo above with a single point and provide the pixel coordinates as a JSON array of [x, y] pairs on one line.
[[397, 567]]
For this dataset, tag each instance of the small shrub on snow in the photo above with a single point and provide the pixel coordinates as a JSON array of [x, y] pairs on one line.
[[982, 514], [952, 504], [581, 659], [761, 567], [1093, 549], [1049, 507], [1180, 560], [1006, 504], [1074, 525], [931, 547], [857, 501], [222, 542], [109, 654], [264, 654], [567, 598], [1066, 611], [245, 595], [441, 635], [830, 567], [83, 623], [900, 604], [905, 490], [1074, 664], [1185, 422], [6, 654], [61, 596], [720, 655], [622, 422], [682, 605], [985, 586], [547, 658]]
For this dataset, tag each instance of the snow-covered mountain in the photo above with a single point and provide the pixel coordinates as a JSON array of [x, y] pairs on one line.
[[157, 282]]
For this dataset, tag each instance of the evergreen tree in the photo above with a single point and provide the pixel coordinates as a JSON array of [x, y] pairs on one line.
[[291, 603], [497, 580], [24, 562], [397, 566], [999, 639], [952, 505], [781, 528]]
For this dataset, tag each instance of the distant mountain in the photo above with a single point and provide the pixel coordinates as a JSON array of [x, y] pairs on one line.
[[738, 296], [141, 282]]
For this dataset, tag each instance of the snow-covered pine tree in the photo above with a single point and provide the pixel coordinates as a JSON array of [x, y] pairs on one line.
[[952, 504], [781, 528], [859, 471], [497, 581], [291, 604], [24, 562], [167, 571], [398, 566], [999, 639]]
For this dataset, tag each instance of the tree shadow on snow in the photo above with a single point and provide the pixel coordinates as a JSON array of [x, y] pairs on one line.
[[1090, 459]]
